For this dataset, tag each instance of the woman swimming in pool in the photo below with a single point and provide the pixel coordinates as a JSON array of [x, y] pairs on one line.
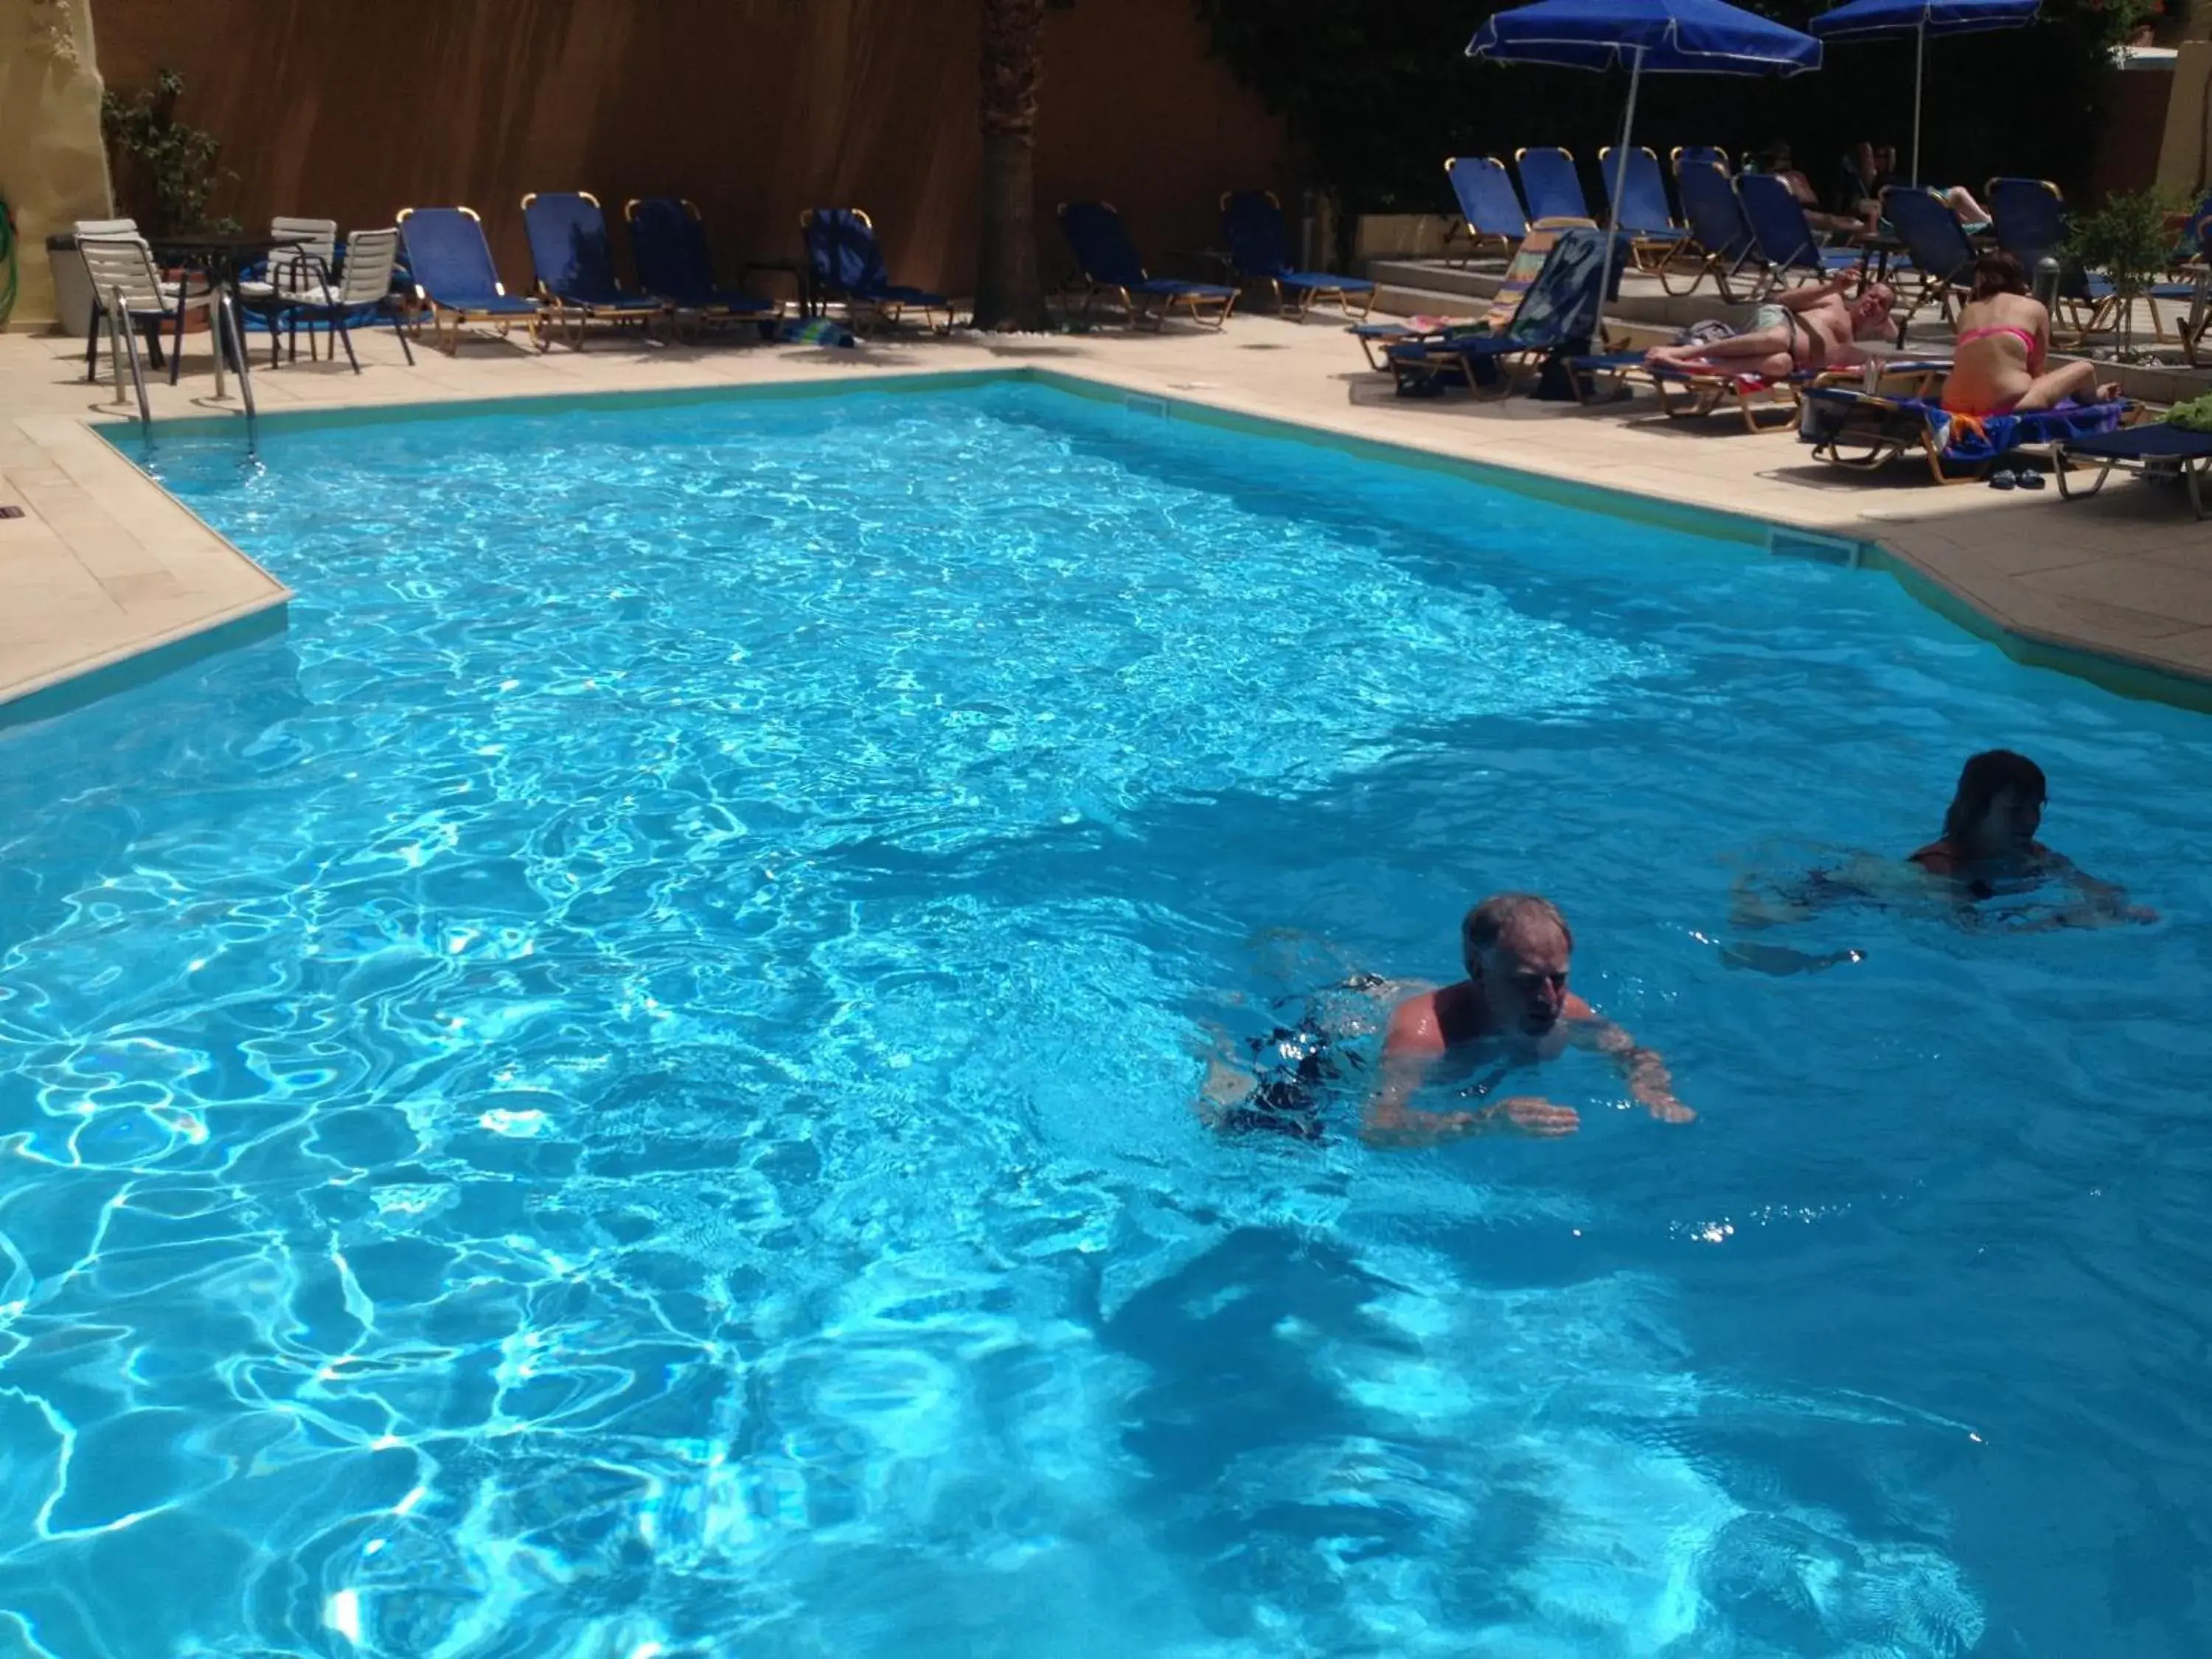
[[1989, 844], [1988, 850], [2000, 366]]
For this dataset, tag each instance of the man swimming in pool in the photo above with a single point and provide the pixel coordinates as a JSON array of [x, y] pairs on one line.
[[1513, 1005]]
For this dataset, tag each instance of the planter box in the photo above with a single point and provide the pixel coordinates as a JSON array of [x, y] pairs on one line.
[[72, 288], [1400, 236]]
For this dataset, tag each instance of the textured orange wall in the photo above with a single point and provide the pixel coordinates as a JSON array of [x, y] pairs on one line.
[[753, 108]]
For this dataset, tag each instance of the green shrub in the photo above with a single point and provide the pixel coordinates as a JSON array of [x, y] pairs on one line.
[[165, 170], [2127, 239]]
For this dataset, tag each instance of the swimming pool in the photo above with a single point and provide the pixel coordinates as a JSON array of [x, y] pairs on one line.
[[626, 1087]]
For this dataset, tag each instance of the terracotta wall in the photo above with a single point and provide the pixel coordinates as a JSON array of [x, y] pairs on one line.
[[2131, 144], [752, 108]]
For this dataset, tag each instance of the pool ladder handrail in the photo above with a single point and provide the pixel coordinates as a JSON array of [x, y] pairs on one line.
[[228, 336]]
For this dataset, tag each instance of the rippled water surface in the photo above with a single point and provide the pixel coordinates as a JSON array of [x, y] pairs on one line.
[[626, 1088]]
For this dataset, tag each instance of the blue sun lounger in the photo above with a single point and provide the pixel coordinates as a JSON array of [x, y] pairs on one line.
[[1782, 240], [1490, 207], [450, 265], [1942, 253], [1863, 430], [1550, 186], [575, 266], [1637, 192], [1763, 404], [1720, 243], [1252, 225], [1560, 314], [2194, 291], [2029, 218], [2153, 450], [846, 264], [669, 244], [1109, 264]]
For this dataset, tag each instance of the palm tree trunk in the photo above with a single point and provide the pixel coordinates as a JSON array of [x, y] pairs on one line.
[[1008, 292]]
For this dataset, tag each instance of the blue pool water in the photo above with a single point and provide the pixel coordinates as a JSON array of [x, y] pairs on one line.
[[626, 1088]]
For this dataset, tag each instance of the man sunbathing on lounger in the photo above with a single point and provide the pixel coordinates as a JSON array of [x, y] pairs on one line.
[[1799, 331]]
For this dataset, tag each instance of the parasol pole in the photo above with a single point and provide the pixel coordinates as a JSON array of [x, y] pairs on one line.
[[1919, 86], [1613, 196]]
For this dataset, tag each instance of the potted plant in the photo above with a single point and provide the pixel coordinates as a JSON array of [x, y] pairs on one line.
[[165, 170], [2130, 240]]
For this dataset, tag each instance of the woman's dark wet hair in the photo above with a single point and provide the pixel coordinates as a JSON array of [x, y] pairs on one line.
[[1983, 778], [1999, 273]]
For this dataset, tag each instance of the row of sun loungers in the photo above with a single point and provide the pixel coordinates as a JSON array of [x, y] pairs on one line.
[[1108, 266], [452, 270], [1548, 310], [1748, 234], [454, 275]]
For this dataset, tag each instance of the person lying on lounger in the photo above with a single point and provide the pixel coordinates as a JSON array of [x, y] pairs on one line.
[[1801, 329], [2001, 365], [1775, 161], [1870, 168]]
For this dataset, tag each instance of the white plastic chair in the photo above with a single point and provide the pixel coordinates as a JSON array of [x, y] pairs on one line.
[[104, 227], [128, 291], [364, 282], [298, 268]]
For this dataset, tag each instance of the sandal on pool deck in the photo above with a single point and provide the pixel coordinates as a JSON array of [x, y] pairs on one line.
[[2002, 478], [2028, 478]]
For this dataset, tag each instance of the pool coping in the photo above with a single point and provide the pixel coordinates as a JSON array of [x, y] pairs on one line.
[[2043, 641]]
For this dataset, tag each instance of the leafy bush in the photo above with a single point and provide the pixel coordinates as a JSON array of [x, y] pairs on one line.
[[2128, 239], [165, 170]]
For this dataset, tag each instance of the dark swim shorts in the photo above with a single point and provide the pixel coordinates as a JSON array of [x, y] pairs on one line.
[[1294, 1064]]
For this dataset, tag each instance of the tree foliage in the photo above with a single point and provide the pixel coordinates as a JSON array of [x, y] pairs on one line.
[[1376, 95], [165, 167]]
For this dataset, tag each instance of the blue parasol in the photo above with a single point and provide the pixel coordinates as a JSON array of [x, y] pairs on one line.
[[1650, 37], [1876, 20]]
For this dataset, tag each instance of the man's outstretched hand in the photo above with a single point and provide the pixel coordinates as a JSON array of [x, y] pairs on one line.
[[1527, 1115]]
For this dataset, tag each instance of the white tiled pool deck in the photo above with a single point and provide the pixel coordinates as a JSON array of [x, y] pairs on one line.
[[105, 566]]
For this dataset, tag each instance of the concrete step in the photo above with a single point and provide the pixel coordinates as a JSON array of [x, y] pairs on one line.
[[1402, 301], [1474, 282], [1642, 301]]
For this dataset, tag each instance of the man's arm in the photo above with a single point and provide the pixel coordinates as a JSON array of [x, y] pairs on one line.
[[1649, 1083], [1799, 299], [1414, 1046]]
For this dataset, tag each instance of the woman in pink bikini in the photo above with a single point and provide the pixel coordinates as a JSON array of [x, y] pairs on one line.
[[2004, 345]]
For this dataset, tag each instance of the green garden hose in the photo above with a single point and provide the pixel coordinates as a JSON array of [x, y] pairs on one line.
[[7, 262]]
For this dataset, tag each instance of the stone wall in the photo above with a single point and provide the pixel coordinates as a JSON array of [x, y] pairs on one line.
[[53, 170]]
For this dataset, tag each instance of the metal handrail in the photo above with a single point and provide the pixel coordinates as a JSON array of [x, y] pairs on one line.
[[119, 324]]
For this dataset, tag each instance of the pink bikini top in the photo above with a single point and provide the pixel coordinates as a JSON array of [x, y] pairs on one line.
[[2027, 338]]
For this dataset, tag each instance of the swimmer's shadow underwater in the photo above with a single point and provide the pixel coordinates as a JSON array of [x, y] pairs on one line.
[[1743, 956]]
